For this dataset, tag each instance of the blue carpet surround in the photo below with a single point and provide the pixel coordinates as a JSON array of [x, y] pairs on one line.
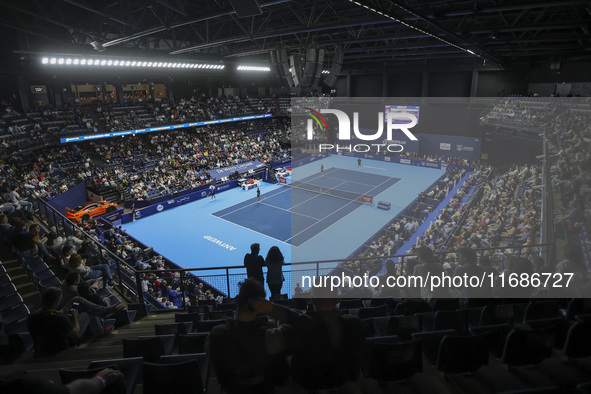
[[219, 233]]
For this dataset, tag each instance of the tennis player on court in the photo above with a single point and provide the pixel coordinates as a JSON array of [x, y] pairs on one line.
[[258, 195], [322, 169], [212, 192]]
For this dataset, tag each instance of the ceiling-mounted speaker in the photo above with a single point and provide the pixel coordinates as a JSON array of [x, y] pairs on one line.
[[335, 69], [309, 67], [284, 61], [289, 80], [246, 8], [330, 80], [319, 66], [292, 67]]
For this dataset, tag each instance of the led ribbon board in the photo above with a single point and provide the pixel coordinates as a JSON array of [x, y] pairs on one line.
[[160, 128]]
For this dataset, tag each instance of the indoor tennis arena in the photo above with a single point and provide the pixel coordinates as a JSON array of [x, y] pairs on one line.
[[279, 196]]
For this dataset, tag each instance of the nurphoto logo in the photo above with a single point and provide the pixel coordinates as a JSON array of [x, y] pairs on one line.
[[344, 130]]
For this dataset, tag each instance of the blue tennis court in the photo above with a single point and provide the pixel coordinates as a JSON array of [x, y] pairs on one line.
[[311, 204], [194, 235]]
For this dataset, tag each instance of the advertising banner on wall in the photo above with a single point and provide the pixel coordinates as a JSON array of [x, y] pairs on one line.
[[450, 146]]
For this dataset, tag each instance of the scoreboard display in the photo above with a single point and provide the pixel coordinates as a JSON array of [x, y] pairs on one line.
[[401, 109]]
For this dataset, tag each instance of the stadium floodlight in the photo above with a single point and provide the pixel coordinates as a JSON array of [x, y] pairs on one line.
[[253, 68], [136, 63], [325, 72]]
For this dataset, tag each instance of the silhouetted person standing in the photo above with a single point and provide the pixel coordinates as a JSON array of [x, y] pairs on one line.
[[254, 263]]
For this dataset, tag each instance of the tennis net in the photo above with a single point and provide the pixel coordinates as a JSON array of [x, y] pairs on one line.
[[329, 191]]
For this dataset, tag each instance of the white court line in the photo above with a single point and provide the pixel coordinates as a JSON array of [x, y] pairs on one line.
[[317, 194], [323, 219], [288, 210], [254, 231], [239, 209], [320, 176], [359, 183], [314, 236]]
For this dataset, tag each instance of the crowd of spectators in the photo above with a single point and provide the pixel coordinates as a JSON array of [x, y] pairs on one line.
[[48, 172], [401, 229], [569, 155], [520, 111], [196, 109], [19, 129], [157, 164], [165, 163]]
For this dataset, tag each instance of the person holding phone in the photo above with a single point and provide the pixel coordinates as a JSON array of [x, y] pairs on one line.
[[54, 331]]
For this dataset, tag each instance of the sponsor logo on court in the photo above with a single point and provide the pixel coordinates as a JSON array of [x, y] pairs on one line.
[[445, 146], [170, 202], [218, 242], [159, 207], [404, 161], [203, 193]]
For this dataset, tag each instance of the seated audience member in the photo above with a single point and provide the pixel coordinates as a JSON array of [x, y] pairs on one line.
[[5, 229], [384, 290], [248, 355], [54, 243], [77, 263], [468, 268], [81, 292], [23, 383], [326, 346], [53, 331], [67, 252], [15, 199], [429, 265]]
